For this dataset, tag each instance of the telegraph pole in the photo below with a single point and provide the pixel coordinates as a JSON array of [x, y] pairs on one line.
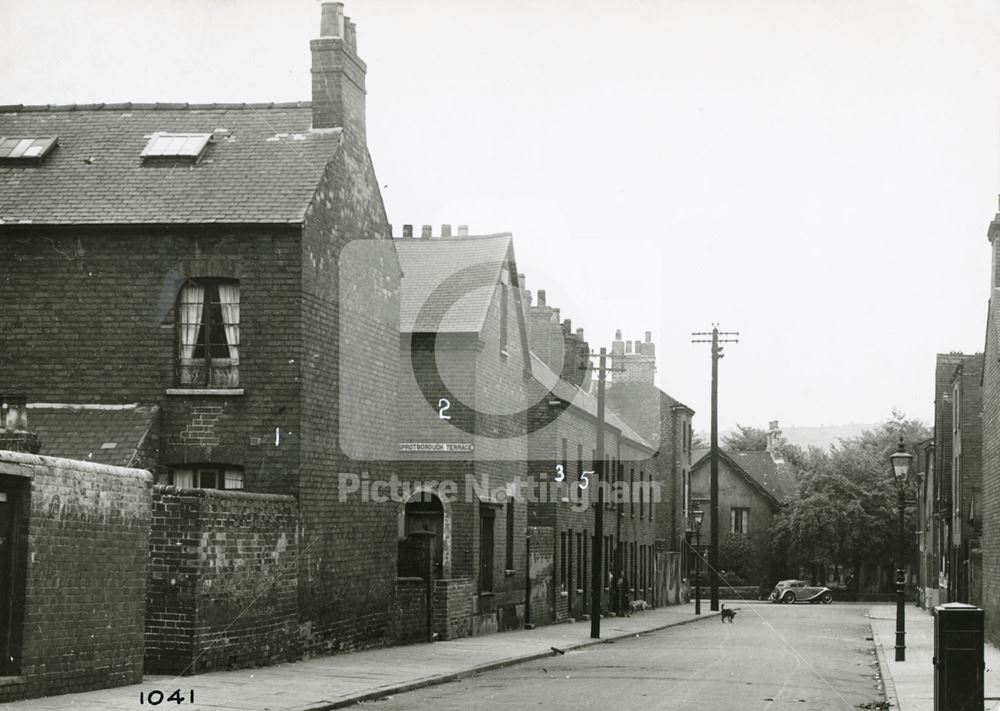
[[597, 577], [597, 574], [713, 548]]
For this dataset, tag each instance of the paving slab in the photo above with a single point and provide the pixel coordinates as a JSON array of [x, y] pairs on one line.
[[913, 680], [344, 679]]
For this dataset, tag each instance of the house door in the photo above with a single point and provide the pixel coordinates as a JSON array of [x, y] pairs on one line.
[[425, 513], [9, 520]]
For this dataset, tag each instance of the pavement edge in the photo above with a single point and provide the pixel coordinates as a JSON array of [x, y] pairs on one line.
[[888, 685], [490, 666]]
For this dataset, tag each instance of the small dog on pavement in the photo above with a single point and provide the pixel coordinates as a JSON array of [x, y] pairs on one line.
[[638, 606], [729, 614]]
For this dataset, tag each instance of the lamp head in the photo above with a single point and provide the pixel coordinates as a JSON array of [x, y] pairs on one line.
[[698, 514], [901, 460]]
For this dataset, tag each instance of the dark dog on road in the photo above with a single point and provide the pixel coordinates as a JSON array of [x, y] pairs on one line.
[[729, 614]]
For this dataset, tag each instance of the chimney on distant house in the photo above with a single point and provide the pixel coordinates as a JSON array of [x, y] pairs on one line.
[[338, 75], [992, 234], [14, 433], [773, 437]]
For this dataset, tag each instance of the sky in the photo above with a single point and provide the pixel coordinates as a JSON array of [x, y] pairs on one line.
[[816, 175]]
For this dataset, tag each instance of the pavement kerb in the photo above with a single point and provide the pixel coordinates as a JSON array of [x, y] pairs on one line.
[[888, 685], [490, 666]]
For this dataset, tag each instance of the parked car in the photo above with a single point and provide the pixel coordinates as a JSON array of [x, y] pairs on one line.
[[788, 591]]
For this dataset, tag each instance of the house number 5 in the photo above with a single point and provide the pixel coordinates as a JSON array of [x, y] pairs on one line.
[[443, 405]]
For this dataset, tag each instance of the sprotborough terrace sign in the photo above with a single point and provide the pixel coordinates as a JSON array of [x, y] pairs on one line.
[[435, 447]]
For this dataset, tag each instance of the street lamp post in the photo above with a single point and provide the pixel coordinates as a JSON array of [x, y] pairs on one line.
[[699, 515], [900, 460]]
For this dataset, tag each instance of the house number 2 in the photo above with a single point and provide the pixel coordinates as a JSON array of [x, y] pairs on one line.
[[443, 405]]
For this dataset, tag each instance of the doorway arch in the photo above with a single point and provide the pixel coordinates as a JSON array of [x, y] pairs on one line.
[[425, 512]]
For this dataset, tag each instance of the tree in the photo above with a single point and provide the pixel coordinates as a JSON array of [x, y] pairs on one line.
[[845, 513], [745, 439]]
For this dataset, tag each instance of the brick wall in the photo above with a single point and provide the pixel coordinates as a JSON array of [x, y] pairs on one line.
[[991, 478], [82, 525], [453, 607], [222, 587], [409, 612], [347, 572], [101, 327]]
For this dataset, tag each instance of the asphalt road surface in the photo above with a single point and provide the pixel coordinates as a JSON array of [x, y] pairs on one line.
[[804, 657]]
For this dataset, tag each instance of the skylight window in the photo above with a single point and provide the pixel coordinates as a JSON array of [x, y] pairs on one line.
[[176, 145], [26, 148]]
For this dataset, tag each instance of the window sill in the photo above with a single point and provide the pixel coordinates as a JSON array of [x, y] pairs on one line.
[[12, 680], [509, 573], [486, 594], [563, 593], [224, 392]]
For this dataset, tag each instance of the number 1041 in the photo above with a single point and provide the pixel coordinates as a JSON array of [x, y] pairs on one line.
[[156, 697]]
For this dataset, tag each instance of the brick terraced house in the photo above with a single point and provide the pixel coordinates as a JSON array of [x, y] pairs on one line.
[[665, 422], [464, 388], [179, 263], [991, 446], [956, 478], [562, 521]]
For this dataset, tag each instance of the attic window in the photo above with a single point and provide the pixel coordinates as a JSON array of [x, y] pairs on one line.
[[176, 145], [25, 148]]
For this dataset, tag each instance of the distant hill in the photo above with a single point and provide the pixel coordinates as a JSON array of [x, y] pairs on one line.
[[821, 436]]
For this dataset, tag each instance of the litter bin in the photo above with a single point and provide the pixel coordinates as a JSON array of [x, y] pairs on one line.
[[958, 657]]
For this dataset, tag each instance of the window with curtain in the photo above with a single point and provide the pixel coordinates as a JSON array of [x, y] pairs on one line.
[[207, 476], [208, 334]]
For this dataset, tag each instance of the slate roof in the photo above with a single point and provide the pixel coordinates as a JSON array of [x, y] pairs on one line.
[[777, 480], [448, 283], [265, 170], [87, 432], [578, 398]]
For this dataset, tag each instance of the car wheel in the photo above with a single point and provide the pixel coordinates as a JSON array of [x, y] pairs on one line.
[[788, 598], [827, 598]]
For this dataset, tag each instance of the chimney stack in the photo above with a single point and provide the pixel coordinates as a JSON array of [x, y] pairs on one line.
[[425, 232], [579, 333], [338, 76], [463, 230], [568, 326], [649, 336], [541, 297], [407, 231], [628, 346], [446, 230], [14, 434]]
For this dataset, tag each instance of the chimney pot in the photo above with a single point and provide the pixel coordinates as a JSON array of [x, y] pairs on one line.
[[446, 230], [649, 336], [618, 334], [579, 333], [331, 23], [463, 230], [555, 315], [338, 77], [351, 34], [520, 279], [541, 297], [568, 326], [425, 232], [628, 346], [407, 231]]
